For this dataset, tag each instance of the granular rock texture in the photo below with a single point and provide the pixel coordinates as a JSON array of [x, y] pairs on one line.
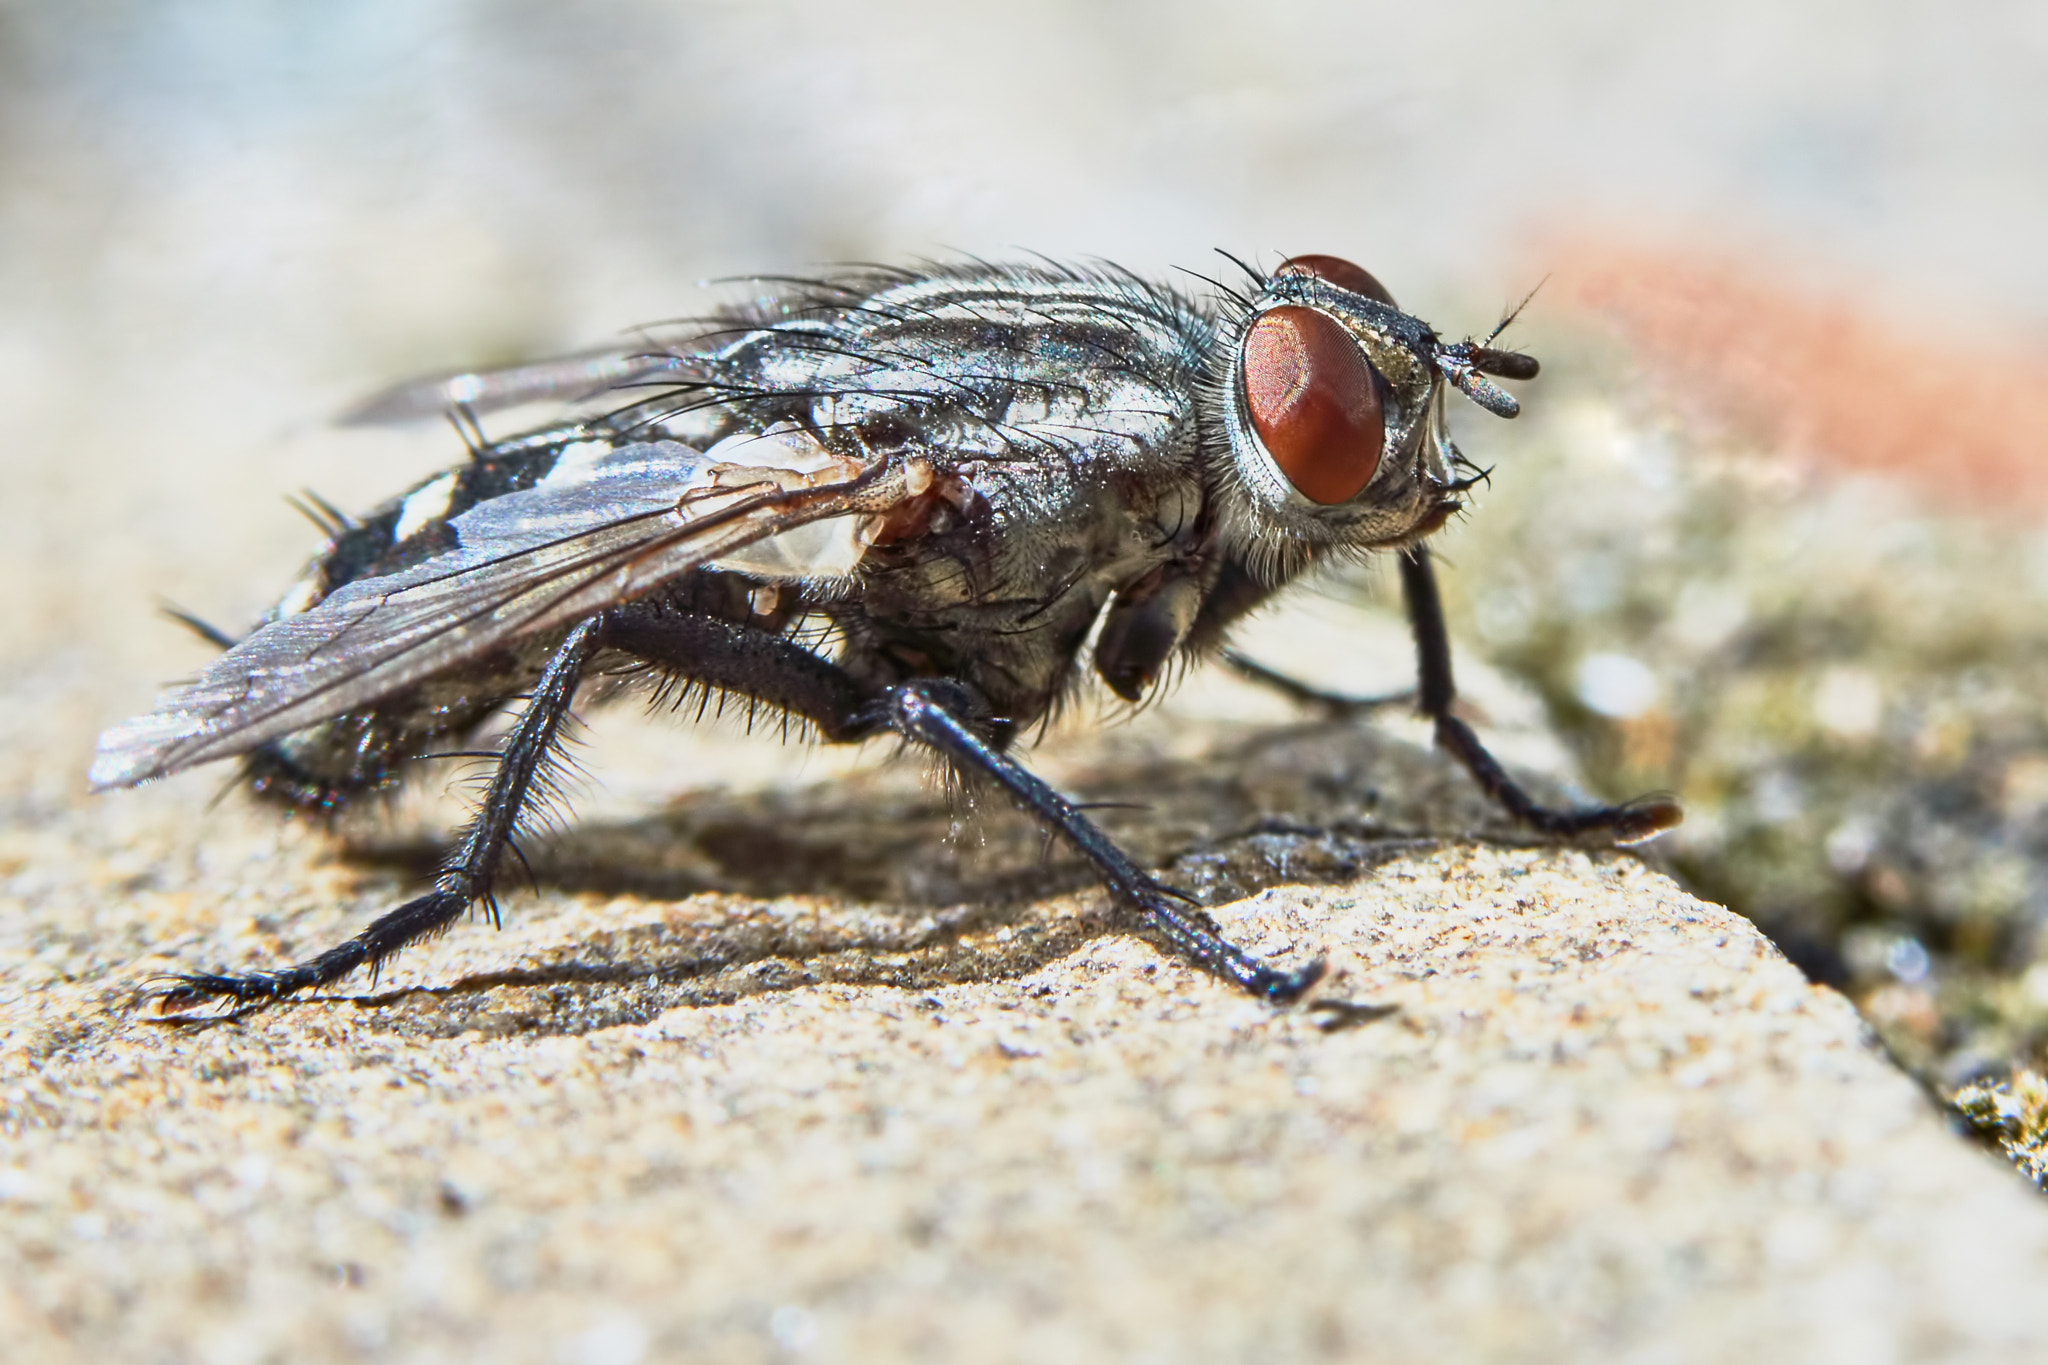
[[1545, 1106], [2014, 1114], [786, 1062], [1842, 677]]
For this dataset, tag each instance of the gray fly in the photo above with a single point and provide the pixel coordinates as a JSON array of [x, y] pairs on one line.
[[894, 502]]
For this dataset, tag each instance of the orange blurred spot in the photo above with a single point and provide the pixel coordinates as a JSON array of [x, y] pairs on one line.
[[1952, 411]]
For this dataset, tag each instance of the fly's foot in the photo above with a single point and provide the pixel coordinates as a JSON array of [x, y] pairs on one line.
[[1194, 932], [1284, 988], [1633, 822], [183, 997], [175, 997], [1646, 817]]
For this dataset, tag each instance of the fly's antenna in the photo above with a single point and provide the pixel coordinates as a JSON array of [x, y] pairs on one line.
[[1467, 363]]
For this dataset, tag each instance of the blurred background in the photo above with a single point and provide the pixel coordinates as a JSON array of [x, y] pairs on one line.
[[1770, 534]]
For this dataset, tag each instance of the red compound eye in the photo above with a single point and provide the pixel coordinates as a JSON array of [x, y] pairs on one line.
[[1315, 402], [1339, 272]]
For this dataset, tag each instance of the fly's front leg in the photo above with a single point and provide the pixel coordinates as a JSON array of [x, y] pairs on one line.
[[1625, 824], [931, 713], [466, 878]]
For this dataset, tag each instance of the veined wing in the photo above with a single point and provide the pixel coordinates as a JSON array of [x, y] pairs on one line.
[[606, 525], [580, 375]]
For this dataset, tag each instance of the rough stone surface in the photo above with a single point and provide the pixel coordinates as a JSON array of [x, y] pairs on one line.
[[767, 1068], [2014, 1114], [1546, 1106], [1857, 728]]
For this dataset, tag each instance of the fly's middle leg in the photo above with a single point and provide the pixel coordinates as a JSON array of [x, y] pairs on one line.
[[932, 714]]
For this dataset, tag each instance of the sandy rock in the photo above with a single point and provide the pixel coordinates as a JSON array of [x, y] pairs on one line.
[[772, 1064], [1546, 1105]]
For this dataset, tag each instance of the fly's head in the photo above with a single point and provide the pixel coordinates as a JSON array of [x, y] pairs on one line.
[[1333, 406]]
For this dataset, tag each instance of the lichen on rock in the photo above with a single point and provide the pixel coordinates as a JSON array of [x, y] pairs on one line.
[[2014, 1114]]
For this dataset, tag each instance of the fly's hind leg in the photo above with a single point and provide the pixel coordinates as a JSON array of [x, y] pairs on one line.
[[470, 872], [697, 648], [1624, 824]]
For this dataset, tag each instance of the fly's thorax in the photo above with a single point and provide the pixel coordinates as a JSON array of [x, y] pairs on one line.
[[997, 570], [1331, 411]]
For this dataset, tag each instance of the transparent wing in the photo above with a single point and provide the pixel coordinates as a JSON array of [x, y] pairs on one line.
[[600, 529], [581, 375]]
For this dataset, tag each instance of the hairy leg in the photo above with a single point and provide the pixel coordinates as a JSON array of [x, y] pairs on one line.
[[765, 668], [932, 713], [467, 877], [751, 663]]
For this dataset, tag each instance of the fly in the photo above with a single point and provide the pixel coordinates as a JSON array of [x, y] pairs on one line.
[[894, 502]]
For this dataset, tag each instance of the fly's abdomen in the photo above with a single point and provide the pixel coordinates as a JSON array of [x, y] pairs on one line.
[[325, 768]]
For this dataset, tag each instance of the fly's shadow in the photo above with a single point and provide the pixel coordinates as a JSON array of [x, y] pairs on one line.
[[884, 881]]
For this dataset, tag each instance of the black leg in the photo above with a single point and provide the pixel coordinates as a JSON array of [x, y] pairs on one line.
[[752, 663], [771, 669], [931, 713], [768, 668], [468, 876], [1336, 704], [1626, 824]]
